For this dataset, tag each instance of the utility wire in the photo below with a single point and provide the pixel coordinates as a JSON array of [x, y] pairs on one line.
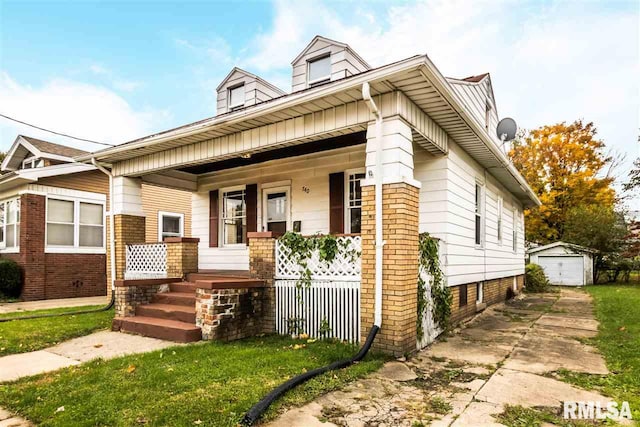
[[54, 132]]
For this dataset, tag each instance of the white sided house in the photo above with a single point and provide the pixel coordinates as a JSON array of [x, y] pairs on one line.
[[305, 161]]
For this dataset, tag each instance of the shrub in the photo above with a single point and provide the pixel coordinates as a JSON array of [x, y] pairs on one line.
[[535, 279], [10, 278]]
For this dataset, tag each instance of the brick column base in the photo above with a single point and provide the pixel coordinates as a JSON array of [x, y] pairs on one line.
[[262, 265], [128, 229], [398, 334], [182, 256]]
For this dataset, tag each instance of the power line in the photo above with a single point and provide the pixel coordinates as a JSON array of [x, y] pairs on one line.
[[54, 132]]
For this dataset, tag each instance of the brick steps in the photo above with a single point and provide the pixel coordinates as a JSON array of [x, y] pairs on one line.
[[176, 298], [181, 313], [165, 329]]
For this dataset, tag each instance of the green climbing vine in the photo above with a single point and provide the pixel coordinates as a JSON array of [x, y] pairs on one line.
[[302, 249], [441, 296]]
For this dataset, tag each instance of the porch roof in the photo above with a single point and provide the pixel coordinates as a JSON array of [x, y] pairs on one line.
[[416, 77]]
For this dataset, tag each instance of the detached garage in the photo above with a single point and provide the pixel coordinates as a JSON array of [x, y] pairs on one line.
[[564, 264]]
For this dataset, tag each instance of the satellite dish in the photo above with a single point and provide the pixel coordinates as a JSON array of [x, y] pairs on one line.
[[507, 129]]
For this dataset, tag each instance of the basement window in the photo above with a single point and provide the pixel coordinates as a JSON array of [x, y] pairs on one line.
[[236, 97], [170, 224], [462, 292], [319, 70]]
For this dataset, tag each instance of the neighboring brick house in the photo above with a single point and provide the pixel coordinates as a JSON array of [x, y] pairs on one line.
[[53, 219], [307, 161]]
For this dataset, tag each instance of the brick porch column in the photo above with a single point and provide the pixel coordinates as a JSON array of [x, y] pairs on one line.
[[182, 256], [400, 196], [129, 220], [262, 265]]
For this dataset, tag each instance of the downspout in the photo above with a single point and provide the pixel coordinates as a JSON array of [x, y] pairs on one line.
[[366, 94], [112, 233]]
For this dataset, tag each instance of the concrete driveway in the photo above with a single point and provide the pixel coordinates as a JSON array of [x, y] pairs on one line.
[[507, 355]]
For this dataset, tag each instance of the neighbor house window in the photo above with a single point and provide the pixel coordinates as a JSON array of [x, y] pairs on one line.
[[319, 70], [515, 230], [170, 225], [499, 220], [354, 202], [74, 224], [479, 212], [236, 97], [234, 217], [10, 224]]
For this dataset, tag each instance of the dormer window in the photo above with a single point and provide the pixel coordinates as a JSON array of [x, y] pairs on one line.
[[32, 163], [319, 70], [236, 97]]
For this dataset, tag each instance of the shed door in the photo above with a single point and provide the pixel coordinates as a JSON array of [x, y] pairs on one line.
[[565, 270]]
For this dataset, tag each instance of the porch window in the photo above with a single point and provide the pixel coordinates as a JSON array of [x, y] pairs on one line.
[[354, 203], [236, 97], [74, 224], [479, 212], [234, 217], [170, 225], [319, 70], [10, 224]]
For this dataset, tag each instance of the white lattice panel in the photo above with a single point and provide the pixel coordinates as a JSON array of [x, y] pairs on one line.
[[146, 261], [345, 267]]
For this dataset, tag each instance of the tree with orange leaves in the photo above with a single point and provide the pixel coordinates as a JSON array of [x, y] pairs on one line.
[[563, 163]]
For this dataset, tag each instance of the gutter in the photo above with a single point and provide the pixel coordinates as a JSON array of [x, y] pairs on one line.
[[112, 233], [366, 94]]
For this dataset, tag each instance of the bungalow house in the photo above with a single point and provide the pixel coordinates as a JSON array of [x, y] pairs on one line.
[[53, 219], [306, 161]]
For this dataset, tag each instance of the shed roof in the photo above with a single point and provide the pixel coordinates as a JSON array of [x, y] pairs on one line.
[[571, 246]]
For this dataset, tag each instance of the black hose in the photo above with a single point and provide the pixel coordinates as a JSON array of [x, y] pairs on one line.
[[70, 313], [259, 408]]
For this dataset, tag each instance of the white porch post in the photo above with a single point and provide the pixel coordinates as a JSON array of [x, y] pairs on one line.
[[400, 197]]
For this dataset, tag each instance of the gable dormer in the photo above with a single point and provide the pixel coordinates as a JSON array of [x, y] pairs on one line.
[[325, 60], [241, 89], [477, 92], [28, 153]]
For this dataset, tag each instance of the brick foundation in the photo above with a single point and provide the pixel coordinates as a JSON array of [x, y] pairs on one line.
[[400, 267], [231, 314], [494, 291]]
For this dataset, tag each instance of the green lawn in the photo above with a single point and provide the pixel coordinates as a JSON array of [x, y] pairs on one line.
[[618, 310], [20, 336], [209, 384]]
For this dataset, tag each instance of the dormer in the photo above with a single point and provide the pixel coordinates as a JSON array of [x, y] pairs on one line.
[[241, 89], [325, 60], [30, 153]]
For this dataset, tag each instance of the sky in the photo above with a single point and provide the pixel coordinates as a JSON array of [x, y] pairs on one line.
[[116, 71]]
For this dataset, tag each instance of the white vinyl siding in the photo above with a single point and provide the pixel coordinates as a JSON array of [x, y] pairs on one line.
[[499, 219], [308, 177], [243, 89], [447, 211]]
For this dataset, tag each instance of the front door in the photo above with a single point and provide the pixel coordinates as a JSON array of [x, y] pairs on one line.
[[276, 209]]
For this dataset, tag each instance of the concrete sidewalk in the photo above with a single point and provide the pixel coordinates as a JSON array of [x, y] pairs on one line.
[[12, 307], [507, 355], [103, 344]]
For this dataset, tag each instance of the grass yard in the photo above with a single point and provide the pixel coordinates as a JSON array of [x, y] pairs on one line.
[[21, 336], [209, 384], [618, 310]]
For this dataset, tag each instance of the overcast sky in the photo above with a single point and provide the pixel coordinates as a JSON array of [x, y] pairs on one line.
[[117, 71]]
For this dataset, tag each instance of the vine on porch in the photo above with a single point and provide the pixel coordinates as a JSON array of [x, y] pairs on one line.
[[302, 249], [441, 295]]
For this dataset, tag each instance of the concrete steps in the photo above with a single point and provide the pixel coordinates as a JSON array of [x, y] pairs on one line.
[[171, 330]]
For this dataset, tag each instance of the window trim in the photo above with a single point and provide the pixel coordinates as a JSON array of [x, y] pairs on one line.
[[221, 217], [500, 221], [347, 207], [3, 243], [76, 248], [315, 82], [162, 214], [479, 211], [479, 292], [269, 189], [230, 106], [514, 235]]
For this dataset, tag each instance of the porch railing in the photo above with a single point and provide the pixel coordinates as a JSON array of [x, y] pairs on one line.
[[330, 306], [146, 261]]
